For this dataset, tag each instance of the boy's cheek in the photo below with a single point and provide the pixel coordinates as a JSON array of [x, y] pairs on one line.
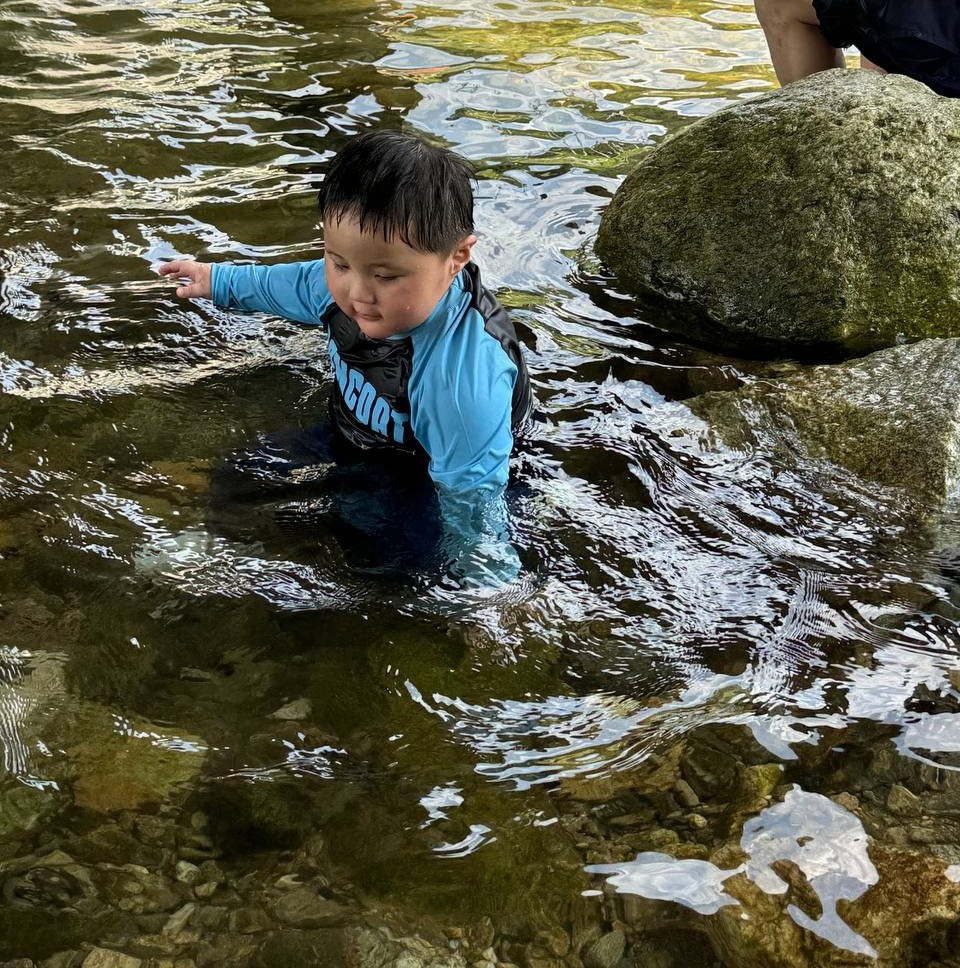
[[330, 279], [335, 290]]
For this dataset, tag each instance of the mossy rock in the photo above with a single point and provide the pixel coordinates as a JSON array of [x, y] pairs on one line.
[[824, 213], [892, 417]]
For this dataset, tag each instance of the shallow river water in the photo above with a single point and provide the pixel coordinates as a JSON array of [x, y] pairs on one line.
[[739, 665]]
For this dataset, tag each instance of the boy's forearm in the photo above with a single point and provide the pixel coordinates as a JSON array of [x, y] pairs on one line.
[[293, 291], [476, 539], [470, 445]]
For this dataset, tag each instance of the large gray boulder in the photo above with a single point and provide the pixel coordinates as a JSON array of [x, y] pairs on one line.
[[892, 417], [828, 211]]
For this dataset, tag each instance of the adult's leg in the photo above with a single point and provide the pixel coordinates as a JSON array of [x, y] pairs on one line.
[[797, 46]]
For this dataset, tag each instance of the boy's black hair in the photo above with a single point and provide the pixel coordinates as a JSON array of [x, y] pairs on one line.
[[398, 185]]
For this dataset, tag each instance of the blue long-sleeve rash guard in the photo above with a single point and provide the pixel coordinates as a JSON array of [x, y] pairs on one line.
[[454, 388]]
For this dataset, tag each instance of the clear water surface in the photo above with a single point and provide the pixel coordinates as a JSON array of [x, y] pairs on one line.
[[459, 755]]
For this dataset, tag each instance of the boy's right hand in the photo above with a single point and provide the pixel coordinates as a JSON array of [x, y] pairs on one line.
[[197, 272]]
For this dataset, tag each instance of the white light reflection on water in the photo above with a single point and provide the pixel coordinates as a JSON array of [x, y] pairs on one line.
[[588, 49], [31, 687], [439, 800], [541, 741], [132, 374], [478, 836], [883, 690], [320, 762], [935, 732], [828, 844], [825, 842], [532, 742], [696, 884], [205, 564]]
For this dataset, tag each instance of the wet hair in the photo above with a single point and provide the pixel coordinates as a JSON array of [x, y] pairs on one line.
[[397, 185]]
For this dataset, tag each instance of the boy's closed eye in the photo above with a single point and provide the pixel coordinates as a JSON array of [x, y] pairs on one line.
[[380, 276]]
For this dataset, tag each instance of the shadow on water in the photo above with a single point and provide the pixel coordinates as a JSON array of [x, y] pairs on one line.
[[695, 328]]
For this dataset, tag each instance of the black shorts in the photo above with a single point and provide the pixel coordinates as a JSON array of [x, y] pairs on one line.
[[920, 38]]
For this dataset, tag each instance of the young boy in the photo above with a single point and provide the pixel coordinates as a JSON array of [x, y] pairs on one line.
[[920, 38], [425, 360]]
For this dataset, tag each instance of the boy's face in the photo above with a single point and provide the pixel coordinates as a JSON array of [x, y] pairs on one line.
[[387, 287]]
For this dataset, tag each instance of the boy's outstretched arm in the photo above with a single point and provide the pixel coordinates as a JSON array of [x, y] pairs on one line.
[[296, 290]]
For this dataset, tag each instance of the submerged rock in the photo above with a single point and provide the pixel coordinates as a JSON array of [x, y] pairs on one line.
[[128, 769], [51, 740], [828, 211], [294, 711], [606, 952], [107, 958], [368, 947], [307, 909], [261, 815], [909, 916], [892, 417]]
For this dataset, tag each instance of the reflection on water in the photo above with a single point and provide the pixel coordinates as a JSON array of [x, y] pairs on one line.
[[694, 883], [671, 588], [828, 844], [29, 690]]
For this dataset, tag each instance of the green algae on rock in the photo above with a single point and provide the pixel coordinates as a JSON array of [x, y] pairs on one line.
[[826, 212], [892, 417]]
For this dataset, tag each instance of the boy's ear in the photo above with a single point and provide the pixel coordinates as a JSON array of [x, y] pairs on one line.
[[461, 254]]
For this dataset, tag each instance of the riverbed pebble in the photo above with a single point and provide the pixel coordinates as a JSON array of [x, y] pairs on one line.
[[106, 958], [554, 940], [178, 920], [210, 916], [696, 821], [902, 802], [607, 951], [685, 794], [293, 711], [186, 873], [249, 920], [62, 959], [289, 882], [306, 909], [481, 934]]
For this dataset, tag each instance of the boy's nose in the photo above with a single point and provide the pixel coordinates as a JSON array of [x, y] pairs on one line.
[[361, 291]]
